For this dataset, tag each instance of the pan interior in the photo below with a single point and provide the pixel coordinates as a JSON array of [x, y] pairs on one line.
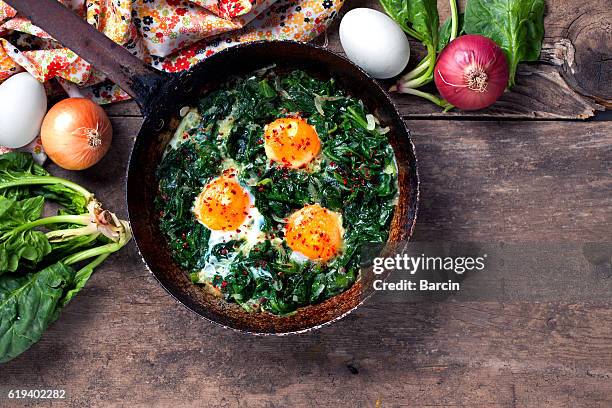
[[159, 127]]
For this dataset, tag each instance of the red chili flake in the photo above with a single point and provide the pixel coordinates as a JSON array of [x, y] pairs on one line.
[[223, 284]]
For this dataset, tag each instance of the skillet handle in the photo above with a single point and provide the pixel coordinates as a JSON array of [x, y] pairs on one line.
[[133, 76]]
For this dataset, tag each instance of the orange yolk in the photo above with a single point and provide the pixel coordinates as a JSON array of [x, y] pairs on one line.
[[291, 142], [223, 204], [315, 232]]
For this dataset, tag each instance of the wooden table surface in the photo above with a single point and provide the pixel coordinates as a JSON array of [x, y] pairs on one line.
[[528, 169]]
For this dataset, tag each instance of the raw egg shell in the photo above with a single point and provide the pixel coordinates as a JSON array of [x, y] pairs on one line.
[[23, 104], [375, 42]]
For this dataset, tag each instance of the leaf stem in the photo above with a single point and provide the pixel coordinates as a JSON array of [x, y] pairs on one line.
[[432, 98], [43, 180], [90, 253], [454, 20], [56, 219], [422, 66], [427, 76]]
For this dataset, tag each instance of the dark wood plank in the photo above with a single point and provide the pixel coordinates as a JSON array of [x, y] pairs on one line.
[[572, 80], [124, 339]]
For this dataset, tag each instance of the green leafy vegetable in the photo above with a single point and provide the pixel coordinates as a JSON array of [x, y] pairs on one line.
[[28, 304], [517, 26], [39, 252], [355, 176], [420, 19], [445, 34]]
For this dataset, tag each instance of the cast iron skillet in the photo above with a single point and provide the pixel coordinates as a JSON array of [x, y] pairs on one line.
[[161, 97]]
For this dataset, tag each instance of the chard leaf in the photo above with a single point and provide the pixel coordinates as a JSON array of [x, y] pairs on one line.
[[28, 305], [517, 26]]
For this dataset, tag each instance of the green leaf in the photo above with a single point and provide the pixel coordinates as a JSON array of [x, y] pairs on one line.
[[517, 26], [445, 31], [15, 165], [28, 245], [418, 18], [398, 10], [28, 305], [72, 201], [13, 213], [25, 245]]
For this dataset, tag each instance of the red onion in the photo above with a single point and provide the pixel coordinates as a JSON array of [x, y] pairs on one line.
[[471, 72]]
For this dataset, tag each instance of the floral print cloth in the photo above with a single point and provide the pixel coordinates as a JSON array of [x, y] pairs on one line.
[[171, 35]]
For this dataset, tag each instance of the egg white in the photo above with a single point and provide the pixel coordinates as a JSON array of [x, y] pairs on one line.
[[250, 234]]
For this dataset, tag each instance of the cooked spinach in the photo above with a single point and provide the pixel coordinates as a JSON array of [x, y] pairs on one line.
[[355, 176], [517, 26]]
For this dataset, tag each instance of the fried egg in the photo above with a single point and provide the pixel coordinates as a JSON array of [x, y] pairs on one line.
[[315, 233], [292, 142], [228, 210]]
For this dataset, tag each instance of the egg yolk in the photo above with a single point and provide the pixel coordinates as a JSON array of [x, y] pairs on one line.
[[291, 142], [315, 232], [223, 204]]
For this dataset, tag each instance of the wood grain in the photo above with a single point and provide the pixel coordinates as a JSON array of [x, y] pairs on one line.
[[124, 339]]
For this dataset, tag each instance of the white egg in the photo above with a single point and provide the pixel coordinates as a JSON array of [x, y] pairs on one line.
[[375, 42], [23, 104]]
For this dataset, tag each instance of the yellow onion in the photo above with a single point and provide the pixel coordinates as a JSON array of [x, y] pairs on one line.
[[76, 133]]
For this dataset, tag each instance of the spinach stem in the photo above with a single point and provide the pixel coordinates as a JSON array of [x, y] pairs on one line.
[[432, 98], [56, 219], [42, 180], [422, 66], [93, 264], [427, 76], [97, 251], [454, 20], [357, 117]]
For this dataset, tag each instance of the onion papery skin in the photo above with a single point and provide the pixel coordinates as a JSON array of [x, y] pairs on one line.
[[471, 72], [76, 133]]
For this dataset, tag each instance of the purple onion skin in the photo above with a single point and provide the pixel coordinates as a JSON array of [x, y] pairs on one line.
[[471, 72]]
